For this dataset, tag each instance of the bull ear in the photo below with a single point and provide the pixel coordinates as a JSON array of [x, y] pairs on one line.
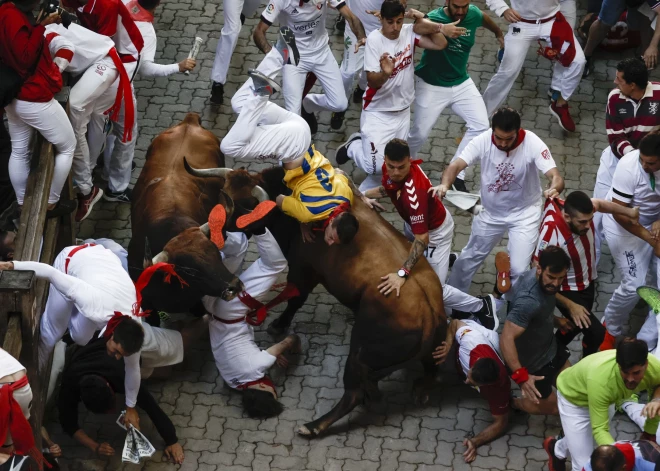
[[147, 262], [229, 204]]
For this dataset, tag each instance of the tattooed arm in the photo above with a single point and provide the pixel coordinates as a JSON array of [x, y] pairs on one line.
[[394, 282], [259, 37]]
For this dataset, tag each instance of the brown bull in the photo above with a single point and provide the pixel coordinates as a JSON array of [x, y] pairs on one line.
[[169, 206], [389, 332]]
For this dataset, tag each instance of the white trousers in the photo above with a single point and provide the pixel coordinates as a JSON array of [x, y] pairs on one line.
[[263, 130], [52, 123], [632, 257], [377, 129], [89, 96], [487, 232], [352, 63], [430, 100], [437, 254], [516, 44], [231, 29], [324, 66], [608, 163], [578, 438], [117, 155]]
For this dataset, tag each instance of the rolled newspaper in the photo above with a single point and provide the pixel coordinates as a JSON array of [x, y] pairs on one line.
[[194, 51]]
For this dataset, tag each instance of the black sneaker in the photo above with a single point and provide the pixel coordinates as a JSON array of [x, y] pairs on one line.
[[62, 208], [337, 119], [242, 19], [453, 256], [459, 185], [357, 95], [311, 120], [217, 93], [487, 315], [119, 197], [340, 24], [341, 155], [587, 67], [554, 463]]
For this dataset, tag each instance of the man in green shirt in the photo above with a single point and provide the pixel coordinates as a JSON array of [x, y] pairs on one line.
[[585, 392], [442, 79]]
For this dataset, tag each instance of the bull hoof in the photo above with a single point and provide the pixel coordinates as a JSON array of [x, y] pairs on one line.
[[421, 392], [274, 330], [305, 432]]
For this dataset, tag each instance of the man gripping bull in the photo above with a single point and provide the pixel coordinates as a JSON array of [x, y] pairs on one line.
[[240, 361], [263, 131], [431, 227], [90, 291]]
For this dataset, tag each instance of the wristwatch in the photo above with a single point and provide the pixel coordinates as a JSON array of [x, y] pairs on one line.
[[403, 273]]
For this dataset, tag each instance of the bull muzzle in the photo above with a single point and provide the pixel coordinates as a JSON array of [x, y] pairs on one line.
[[258, 192]]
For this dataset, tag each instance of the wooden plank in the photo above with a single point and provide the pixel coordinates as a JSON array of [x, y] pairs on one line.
[[16, 280], [13, 341], [66, 235]]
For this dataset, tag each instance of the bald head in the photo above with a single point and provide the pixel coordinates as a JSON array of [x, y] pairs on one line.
[[608, 458]]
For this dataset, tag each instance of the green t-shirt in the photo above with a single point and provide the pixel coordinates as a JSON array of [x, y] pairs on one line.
[[448, 68], [595, 382]]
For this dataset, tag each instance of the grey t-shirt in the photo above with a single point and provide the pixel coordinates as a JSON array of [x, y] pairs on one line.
[[533, 310]]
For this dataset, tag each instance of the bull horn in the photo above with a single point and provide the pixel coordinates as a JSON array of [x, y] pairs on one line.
[[147, 262], [229, 204], [206, 172], [260, 193], [206, 230], [160, 258]]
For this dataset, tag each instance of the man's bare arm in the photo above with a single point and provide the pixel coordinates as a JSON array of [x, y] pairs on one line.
[[353, 21], [634, 227], [416, 251], [259, 37], [608, 207], [378, 192]]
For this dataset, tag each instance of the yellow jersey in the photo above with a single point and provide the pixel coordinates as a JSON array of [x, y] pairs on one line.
[[317, 189]]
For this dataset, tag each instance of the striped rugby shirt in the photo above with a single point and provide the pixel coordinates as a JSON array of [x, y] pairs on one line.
[[580, 249]]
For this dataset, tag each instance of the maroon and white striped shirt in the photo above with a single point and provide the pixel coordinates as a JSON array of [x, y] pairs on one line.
[[581, 249], [628, 121]]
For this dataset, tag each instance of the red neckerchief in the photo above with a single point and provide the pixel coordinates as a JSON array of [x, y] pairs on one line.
[[519, 140], [266, 381], [13, 421], [113, 323], [342, 208], [394, 186], [144, 279], [138, 13], [259, 311]]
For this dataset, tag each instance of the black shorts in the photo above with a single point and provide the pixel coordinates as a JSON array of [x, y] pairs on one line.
[[551, 371]]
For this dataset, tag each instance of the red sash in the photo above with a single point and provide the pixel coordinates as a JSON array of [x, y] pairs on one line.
[[123, 92], [562, 42], [259, 311]]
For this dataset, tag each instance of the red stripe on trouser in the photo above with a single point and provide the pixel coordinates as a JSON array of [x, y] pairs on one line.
[[123, 93]]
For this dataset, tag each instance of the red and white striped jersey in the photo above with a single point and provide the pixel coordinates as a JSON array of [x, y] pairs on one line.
[[581, 249]]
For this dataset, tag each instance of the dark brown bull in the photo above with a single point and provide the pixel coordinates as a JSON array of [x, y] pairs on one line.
[[389, 332], [169, 206]]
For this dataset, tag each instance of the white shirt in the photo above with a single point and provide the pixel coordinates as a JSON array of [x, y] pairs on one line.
[[88, 47], [398, 92], [632, 185], [8, 364], [528, 9], [147, 66], [509, 180], [469, 337], [307, 21], [360, 9]]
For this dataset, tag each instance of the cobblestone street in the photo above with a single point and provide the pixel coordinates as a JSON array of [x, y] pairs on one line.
[[395, 434]]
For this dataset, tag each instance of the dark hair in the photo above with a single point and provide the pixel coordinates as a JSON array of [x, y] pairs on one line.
[[631, 352], [261, 404], [555, 259], [634, 71], [347, 226], [130, 335], [97, 395], [5, 250], [391, 9], [149, 4], [397, 150], [506, 119], [650, 144], [607, 458], [578, 202], [485, 371]]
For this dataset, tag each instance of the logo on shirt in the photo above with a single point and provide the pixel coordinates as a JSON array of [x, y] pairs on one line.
[[543, 245], [412, 196], [307, 27], [506, 181], [546, 154], [416, 218], [622, 111], [270, 8], [653, 108]]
